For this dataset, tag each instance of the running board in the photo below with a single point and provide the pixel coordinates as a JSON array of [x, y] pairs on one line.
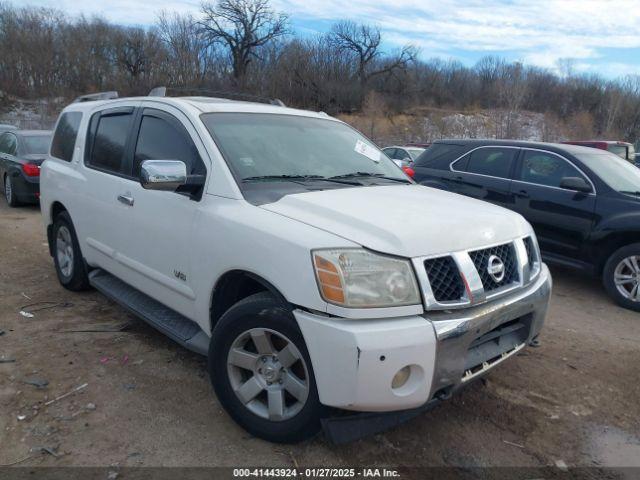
[[176, 326]]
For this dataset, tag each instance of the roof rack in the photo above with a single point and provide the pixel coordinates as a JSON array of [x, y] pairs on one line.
[[162, 92], [92, 97]]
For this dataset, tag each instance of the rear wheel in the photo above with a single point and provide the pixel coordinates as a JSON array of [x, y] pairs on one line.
[[262, 373], [621, 276], [9, 192], [67, 257]]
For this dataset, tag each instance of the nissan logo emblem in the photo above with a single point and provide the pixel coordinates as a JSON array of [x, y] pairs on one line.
[[495, 268]]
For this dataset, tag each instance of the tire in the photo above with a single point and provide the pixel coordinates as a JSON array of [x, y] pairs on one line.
[[263, 314], [9, 192], [621, 276], [67, 257]]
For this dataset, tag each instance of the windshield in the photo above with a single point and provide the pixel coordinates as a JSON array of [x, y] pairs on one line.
[[36, 144], [619, 174], [273, 147]]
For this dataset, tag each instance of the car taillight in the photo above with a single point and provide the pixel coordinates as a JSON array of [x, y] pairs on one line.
[[409, 171], [31, 170]]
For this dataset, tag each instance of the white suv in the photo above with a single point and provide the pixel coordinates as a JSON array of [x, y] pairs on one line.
[[285, 246]]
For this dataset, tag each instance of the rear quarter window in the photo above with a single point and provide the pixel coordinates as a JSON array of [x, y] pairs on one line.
[[437, 153], [64, 138], [492, 162]]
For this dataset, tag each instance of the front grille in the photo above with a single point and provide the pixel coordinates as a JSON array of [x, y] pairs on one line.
[[445, 280], [507, 254], [531, 251]]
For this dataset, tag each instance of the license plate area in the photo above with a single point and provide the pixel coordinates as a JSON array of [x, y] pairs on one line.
[[496, 345]]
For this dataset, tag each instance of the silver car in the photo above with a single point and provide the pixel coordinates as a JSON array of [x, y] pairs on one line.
[[403, 156]]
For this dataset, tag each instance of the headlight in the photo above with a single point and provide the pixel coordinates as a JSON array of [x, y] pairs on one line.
[[357, 278]]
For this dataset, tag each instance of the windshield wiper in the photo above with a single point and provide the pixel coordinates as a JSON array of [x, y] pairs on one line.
[[303, 178], [630, 192], [280, 177], [373, 175]]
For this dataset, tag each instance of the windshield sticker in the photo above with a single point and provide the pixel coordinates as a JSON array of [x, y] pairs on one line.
[[367, 150]]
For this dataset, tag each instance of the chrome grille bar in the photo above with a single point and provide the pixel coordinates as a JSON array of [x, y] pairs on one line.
[[475, 291]]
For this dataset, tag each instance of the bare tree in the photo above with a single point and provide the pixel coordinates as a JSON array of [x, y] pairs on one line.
[[45, 54], [242, 26], [364, 41], [136, 53], [189, 58], [513, 92]]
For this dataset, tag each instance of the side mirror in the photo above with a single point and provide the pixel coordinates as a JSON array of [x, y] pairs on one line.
[[168, 175], [575, 183], [165, 175]]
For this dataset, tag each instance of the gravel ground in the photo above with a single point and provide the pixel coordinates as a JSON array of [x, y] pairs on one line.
[[148, 402]]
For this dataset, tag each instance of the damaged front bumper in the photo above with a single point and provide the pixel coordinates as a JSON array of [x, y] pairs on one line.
[[355, 361]]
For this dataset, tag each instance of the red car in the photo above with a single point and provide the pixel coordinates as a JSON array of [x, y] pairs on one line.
[[622, 149]]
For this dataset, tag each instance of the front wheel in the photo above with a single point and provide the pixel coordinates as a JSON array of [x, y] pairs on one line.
[[261, 371], [621, 276]]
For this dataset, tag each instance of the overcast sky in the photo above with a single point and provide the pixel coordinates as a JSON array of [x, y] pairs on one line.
[[601, 36]]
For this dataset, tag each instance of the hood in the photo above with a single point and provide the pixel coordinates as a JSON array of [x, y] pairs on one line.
[[404, 220]]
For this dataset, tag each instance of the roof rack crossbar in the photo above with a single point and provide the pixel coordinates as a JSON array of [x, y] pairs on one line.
[[92, 97], [162, 92]]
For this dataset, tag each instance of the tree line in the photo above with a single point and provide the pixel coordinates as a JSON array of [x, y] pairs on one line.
[[246, 46]]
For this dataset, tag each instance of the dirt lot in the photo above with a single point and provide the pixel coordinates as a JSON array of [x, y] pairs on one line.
[[148, 402]]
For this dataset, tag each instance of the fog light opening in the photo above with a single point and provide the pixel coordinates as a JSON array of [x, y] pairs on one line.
[[401, 377]]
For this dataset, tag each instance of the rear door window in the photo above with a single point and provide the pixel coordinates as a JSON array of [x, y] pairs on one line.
[[111, 130], [163, 137], [494, 162], [546, 169], [402, 154], [64, 139], [390, 152], [4, 143], [10, 145]]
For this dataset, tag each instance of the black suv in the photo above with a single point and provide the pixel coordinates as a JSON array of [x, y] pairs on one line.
[[583, 203]]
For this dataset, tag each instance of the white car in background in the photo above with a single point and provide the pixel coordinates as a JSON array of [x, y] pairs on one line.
[[269, 239], [403, 156]]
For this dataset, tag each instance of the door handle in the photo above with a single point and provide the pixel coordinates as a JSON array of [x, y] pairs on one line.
[[522, 194], [126, 199]]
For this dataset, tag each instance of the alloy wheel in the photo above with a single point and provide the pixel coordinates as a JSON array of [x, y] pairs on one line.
[[626, 278], [268, 374], [64, 251]]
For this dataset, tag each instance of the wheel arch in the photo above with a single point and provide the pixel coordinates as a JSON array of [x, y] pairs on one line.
[[608, 245], [234, 286], [56, 208]]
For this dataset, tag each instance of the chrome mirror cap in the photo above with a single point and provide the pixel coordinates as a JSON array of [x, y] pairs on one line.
[[163, 174]]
